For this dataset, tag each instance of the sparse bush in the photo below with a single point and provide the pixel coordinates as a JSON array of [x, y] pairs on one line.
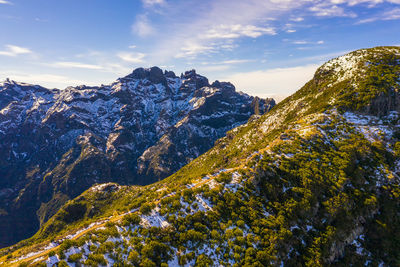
[[75, 257], [145, 208], [130, 219], [62, 264], [95, 259]]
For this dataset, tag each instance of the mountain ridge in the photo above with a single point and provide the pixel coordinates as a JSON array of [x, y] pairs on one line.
[[58, 143]]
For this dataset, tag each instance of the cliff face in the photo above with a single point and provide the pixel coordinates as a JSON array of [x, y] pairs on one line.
[[57, 143]]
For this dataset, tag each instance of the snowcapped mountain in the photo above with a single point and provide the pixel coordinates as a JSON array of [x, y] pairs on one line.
[[313, 182], [143, 127]]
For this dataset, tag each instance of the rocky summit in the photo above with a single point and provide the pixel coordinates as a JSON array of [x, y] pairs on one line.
[[55, 143]]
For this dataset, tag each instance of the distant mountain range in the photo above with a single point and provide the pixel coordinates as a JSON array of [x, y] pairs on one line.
[[55, 144]]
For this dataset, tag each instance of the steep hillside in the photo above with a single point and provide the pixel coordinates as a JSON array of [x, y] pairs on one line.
[[55, 144], [314, 182]]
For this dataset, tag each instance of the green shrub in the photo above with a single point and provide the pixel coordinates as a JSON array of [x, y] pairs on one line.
[[134, 257], [75, 257], [95, 259], [93, 248], [145, 208], [61, 254], [105, 247], [157, 252], [62, 264], [39, 264], [66, 244], [130, 219], [224, 178], [147, 263], [203, 261]]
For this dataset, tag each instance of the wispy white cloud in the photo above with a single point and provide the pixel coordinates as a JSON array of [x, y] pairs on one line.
[[189, 32], [326, 9], [303, 42], [190, 49], [237, 61], [89, 54], [150, 3], [41, 20], [228, 46], [13, 51], [393, 14], [237, 30], [78, 65], [370, 3], [5, 2], [142, 26], [131, 57], [226, 62], [213, 30], [297, 19], [289, 28], [93, 61]]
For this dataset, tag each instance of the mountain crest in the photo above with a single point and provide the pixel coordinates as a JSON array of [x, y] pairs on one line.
[[140, 129]]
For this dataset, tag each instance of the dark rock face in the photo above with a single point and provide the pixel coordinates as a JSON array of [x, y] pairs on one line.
[[383, 104], [54, 144]]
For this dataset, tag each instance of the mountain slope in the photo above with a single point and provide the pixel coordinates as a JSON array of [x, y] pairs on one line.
[[314, 182], [138, 130]]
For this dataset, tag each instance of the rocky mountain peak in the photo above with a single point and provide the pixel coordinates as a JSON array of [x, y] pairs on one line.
[[153, 74], [191, 77], [223, 85], [6, 81], [169, 74]]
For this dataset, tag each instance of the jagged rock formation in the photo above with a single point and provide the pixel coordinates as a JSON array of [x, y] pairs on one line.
[[143, 127]]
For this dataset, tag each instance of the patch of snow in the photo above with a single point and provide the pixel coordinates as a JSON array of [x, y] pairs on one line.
[[153, 219], [212, 184], [205, 205], [236, 178], [309, 228]]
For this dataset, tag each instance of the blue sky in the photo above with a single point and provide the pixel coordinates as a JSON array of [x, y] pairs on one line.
[[265, 47]]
